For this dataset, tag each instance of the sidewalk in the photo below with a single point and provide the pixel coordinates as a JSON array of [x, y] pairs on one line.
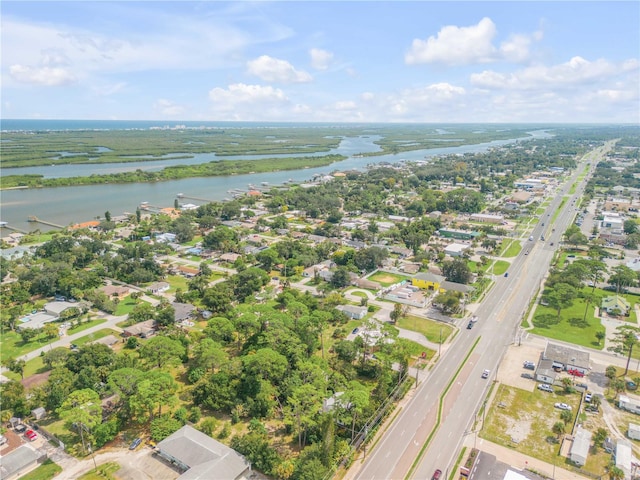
[[521, 461]]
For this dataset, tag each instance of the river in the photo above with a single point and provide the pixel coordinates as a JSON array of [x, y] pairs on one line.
[[69, 205]]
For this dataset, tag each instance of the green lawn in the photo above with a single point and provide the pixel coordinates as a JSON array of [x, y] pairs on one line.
[[497, 268], [511, 248], [46, 471], [571, 327], [429, 328], [386, 279], [105, 472], [177, 281], [125, 306], [83, 326], [95, 336], [11, 345], [32, 367]]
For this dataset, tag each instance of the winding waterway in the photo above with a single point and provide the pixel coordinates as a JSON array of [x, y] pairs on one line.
[[68, 205]]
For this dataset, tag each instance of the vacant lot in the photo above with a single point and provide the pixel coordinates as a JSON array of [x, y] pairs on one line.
[[523, 420]]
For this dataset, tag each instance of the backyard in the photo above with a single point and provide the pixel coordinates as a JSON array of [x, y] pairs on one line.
[[387, 279], [434, 331]]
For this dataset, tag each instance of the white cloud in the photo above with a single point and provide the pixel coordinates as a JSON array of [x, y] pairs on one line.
[[275, 70], [249, 102], [471, 45], [576, 71], [168, 108], [45, 76], [456, 45], [320, 59]]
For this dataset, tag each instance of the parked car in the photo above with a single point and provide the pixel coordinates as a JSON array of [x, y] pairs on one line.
[[355, 330], [20, 428], [135, 444], [529, 365], [31, 435], [631, 385], [486, 373], [575, 372], [528, 376], [436, 475], [587, 398], [563, 406], [582, 385], [545, 387]]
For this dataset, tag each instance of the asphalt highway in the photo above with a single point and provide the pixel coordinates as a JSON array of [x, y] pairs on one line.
[[400, 450]]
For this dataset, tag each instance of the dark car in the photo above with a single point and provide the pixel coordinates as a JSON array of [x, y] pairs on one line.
[[135, 444], [506, 274], [470, 325], [631, 385], [528, 376], [355, 330], [436, 475]]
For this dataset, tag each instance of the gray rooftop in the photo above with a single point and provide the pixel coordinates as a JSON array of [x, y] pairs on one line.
[[206, 458], [13, 462], [566, 355]]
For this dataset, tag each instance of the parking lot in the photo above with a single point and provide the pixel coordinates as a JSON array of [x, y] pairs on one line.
[[512, 368]]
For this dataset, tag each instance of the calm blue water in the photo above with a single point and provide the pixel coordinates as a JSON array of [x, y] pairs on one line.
[[68, 205]]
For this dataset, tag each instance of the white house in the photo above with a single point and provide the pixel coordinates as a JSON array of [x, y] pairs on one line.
[[633, 431], [629, 404], [623, 457], [353, 311], [580, 447], [456, 249]]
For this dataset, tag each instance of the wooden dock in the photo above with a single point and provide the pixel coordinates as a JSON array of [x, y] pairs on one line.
[[35, 219], [182, 195], [9, 227]]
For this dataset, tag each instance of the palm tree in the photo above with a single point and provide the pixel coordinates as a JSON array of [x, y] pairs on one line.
[[558, 429], [616, 473]]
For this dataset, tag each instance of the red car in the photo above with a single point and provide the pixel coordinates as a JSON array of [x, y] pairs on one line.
[[436, 475], [575, 373], [31, 435]]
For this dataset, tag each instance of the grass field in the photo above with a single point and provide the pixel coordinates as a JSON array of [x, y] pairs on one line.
[[125, 306], [85, 325], [429, 328], [105, 471], [497, 268], [32, 367], [523, 421], [511, 248], [95, 336], [385, 278], [46, 471], [13, 347], [570, 327]]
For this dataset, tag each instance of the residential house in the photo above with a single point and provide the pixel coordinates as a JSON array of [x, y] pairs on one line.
[[183, 311], [188, 272], [158, 288], [353, 311], [229, 257], [630, 404], [118, 291], [615, 305], [109, 341], [20, 461], [447, 286], [143, 329], [633, 431], [329, 404], [427, 281], [545, 372], [580, 447], [201, 457]]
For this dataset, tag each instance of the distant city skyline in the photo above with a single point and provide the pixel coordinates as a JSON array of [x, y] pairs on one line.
[[328, 61]]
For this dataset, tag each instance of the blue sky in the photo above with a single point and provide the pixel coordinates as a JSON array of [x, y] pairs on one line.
[[333, 61]]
